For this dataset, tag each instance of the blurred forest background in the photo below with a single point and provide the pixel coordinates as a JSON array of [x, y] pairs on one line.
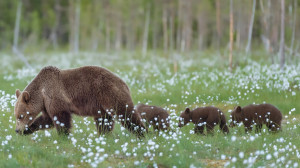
[[167, 25]]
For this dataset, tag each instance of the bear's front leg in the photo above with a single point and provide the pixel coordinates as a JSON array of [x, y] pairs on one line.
[[42, 122], [104, 124], [258, 128], [133, 122], [62, 122], [273, 127], [199, 129], [248, 129]]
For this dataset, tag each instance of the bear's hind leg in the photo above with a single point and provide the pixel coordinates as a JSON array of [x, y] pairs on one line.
[[210, 129]]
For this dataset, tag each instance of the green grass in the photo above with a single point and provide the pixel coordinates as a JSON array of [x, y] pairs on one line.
[[202, 79]]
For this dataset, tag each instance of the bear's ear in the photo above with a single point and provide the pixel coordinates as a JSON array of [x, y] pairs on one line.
[[18, 93], [26, 96], [238, 109], [187, 110]]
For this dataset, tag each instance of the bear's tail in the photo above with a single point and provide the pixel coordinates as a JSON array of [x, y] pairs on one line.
[[223, 125]]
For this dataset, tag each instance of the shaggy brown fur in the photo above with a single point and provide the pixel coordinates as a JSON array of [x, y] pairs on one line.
[[257, 115], [204, 116], [155, 116], [85, 91]]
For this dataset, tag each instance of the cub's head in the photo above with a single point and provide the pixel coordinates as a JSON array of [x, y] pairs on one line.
[[25, 111], [236, 116], [184, 118]]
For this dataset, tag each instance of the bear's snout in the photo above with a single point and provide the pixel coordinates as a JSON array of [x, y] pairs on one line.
[[18, 131]]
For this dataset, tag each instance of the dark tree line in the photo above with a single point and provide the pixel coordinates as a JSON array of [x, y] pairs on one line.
[[168, 25]]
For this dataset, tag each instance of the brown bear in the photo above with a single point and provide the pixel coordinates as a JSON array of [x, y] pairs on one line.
[[155, 116], [204, 116], [85, 91], [257, 115]]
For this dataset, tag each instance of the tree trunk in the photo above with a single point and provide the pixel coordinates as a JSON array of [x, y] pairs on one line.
[[165, 28], [17, 25], [218, 22], [231, 35], [146, 31], [15, 47], [53, 35], [248, 48], [76, 27], [171, 32], [107, 37], [282, 55], [179, 26], [294, 29], [118, 41]]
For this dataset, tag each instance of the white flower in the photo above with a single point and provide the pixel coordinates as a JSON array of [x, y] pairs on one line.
[[241, 154], [47, 134]]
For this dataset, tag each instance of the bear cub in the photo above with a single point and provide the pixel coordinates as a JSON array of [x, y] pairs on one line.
[[257, 115], [204, 116], [155, 116]]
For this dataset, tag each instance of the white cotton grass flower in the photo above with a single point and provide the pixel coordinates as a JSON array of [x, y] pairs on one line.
[[233, 138], [47, 133], [241, 155]]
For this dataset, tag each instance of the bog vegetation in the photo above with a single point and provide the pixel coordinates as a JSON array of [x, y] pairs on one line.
[[199, 81], [172, 54]]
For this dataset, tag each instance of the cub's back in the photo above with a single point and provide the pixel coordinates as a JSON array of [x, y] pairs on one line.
[[151, 111], [263, 110]]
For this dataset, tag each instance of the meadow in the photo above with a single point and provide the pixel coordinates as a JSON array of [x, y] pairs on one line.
[[174, 82]]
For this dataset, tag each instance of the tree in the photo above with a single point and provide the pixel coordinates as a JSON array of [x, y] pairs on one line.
[[251, 28], [218, 22], [282, 25], [294, 28], [146, 30], [15, 47], [74, 18], [230, 35]]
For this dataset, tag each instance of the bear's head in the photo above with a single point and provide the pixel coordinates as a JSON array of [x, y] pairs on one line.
[[25, 111], [236, 116], [184, 118]]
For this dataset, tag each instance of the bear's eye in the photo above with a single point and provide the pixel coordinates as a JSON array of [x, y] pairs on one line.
[[20, 117]]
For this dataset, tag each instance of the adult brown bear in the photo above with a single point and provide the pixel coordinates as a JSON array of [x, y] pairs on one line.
[[85, 91]]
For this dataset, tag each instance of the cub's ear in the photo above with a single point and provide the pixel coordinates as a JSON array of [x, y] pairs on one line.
[[26, 96], [187, 110], [18, 93], [238, 109]]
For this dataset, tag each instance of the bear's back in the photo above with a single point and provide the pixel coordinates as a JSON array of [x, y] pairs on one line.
[[262, 111], [204, 113], [151, 111], [90, 85]]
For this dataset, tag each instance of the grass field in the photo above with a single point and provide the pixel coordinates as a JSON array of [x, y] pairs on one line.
[[200, 79]]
